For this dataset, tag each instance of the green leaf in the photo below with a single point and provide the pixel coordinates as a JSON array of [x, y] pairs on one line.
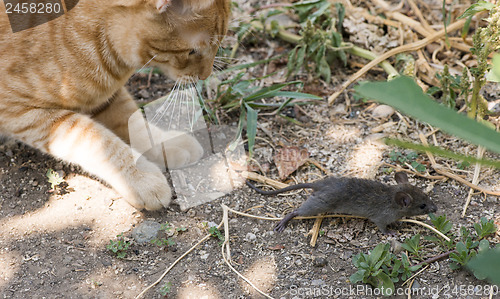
[[297, 95], [461, 248], [475, 8], [324, 70], [358, 276], [465, 29], [441, 152], [486, 265], [484, 245], [387, 284], [301, 54], [376, 253], [251, 127], [494, 74], [405, 95], [454, 266], [266, 92], [415, 268]]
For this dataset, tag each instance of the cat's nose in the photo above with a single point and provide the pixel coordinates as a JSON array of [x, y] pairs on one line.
[[205, 73]]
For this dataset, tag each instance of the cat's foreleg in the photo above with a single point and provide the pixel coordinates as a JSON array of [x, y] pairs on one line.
[[78, 139]]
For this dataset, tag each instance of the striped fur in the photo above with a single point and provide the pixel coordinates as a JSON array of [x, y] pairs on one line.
[[62, 83]]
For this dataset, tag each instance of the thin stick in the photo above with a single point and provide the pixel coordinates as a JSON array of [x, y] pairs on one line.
[[338, 216], [316, 163], [435, 258], [426, 226], [405, 48], [226, 231], [315, 231], [241, 275], [414, 275], [262, 179], [175, 263], [228, 250], [475, 179]]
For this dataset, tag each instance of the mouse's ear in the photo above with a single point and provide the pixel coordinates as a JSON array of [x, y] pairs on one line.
[[403, 199], [401, 177]]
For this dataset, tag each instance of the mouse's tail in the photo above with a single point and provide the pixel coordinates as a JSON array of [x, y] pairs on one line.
[[274, 192]]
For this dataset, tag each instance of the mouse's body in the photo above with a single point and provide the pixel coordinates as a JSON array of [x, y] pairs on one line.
[[382, 204]]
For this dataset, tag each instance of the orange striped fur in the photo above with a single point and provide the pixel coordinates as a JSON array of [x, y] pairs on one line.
[[57, 78]]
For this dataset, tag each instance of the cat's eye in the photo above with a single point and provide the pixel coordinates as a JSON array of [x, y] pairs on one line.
[[192, 52]]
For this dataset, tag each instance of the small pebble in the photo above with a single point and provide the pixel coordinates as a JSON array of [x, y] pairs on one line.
[[250, 237], [382, 111], [319, 261], [146, 231], [317, 282]]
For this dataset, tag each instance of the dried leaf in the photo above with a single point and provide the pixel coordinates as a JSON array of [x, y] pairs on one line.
[[276, 247], [289, 159]]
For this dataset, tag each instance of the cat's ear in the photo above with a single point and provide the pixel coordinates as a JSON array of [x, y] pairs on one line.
[[162, 5]]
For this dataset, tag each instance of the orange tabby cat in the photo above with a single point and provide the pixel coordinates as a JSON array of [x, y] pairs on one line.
[[62, 84]]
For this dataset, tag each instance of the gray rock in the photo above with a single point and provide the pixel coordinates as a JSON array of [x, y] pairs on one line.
[[250, 237], [146, 231], [317, 282]]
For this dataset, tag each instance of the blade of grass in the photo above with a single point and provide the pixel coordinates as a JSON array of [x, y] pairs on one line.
[[441, 152], [405, 95], [251, 128]]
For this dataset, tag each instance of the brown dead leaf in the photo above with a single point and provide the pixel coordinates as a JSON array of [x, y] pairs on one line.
[[289, 159], [276, 247]]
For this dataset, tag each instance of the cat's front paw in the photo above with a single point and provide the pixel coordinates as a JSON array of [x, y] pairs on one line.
[[147, 188]]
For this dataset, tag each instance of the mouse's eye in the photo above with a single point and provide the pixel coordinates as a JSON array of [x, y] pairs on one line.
[[192, 52], [423, 206]]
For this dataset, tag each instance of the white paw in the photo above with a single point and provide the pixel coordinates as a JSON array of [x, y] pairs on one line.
[[146, 187]]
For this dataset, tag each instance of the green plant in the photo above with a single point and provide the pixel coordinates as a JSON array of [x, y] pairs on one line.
[[216, 233], [169, 231], [484, 228], [53, 178], [444, 226], [469, 245], [451, 87], [321, 41], [411, 158], [163, 242], [485, 265], [371, 270], [119, 247], [463, 164], [412, 245], [242, 95], [166, 289]]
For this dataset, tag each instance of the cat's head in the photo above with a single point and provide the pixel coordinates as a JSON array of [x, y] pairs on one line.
[[181, 37]]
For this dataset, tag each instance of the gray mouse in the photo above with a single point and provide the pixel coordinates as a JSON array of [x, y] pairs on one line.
[[382, 204]]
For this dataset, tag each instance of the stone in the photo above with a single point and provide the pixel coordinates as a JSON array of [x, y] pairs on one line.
[[382, 111], [146, 231]]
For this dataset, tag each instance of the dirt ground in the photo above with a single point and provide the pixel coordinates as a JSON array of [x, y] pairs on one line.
[[53, 243]]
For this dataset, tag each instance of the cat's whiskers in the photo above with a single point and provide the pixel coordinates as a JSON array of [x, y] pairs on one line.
[[172, 111], [193, 103], [164, 108]]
